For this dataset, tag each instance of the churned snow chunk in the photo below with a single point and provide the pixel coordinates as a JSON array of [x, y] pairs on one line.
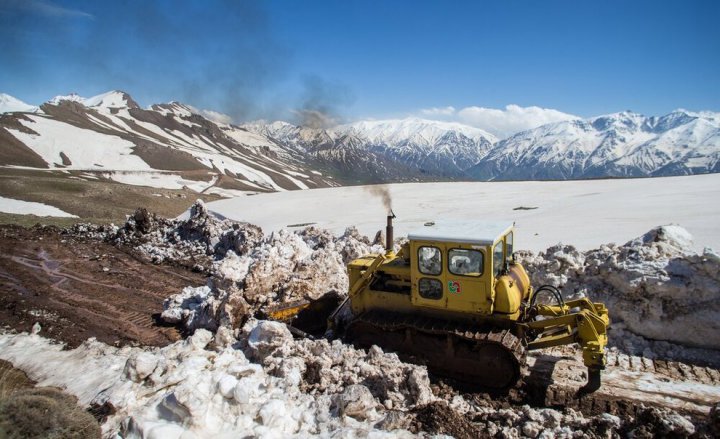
[[200, 339], [357, 402], [226, 385], [268, 336], [141, 365]]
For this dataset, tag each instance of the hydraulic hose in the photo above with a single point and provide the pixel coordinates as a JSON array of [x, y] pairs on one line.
[[550, 289]]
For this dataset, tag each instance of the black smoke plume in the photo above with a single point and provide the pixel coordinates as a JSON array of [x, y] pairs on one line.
[[383, 192]]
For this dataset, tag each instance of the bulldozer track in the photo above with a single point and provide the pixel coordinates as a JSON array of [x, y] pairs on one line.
[[674, 370], [628, 383], [488, 357]]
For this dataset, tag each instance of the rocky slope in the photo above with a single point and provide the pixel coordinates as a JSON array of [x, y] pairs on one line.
[[168, 145]]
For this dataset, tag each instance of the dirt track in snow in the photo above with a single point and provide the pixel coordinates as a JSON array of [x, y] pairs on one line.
[[78, 288], [627, 383]]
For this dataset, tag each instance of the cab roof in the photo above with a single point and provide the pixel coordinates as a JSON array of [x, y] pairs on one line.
[[471, 232]]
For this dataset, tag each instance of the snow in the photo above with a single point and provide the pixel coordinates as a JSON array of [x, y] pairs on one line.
[[9, 205], [227, 193], [252, 378], [86, 149], [187, 389], [397, 131], [111, 99], [73, 97], [656, 285], [10, 104], [619, 144], [157, 179], [586, 213]]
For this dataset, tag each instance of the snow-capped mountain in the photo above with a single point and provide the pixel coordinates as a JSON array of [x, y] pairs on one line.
[[623, 144], [112, 135], [9, 104], [387, 150], [168, 145]]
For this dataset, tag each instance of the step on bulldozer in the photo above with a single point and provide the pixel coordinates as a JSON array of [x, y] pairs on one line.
[[454, 298]]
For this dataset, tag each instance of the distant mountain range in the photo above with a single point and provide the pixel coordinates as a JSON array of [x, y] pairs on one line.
[[389, 150], [617, 145], [110, 136]]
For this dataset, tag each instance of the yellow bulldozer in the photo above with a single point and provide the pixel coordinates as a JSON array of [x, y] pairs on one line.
[[454, 298]]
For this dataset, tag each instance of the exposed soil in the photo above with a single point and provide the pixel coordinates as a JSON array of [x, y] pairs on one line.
[[78, 288], [438, 418]]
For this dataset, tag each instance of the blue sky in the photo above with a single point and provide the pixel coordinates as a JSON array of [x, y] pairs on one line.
[[359, 59]]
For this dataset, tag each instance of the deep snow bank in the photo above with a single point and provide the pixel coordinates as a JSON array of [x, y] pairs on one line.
[[656, 285]]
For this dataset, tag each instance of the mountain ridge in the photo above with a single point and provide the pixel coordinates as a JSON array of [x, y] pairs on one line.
[[622, 144]]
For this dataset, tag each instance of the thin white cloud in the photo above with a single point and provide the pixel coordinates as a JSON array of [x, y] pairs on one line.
[[47, 8], [513, 119], [438, 111], [502, 123], [216, 116]]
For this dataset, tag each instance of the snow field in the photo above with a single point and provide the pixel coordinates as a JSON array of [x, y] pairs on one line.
[[10, 205], [161, 180], [586, 213], [86, 149]]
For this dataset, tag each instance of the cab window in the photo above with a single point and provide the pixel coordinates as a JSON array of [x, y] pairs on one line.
[[430, 288], [509, 244], [498, 260], [465, 262], [430, 260]]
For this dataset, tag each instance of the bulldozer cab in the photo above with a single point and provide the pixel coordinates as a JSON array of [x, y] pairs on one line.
[[454, 265]]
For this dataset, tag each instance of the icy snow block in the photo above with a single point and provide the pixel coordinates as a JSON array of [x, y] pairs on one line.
[[200, 339], [226, 386], [140, 366], [266, 337], [357, 402]]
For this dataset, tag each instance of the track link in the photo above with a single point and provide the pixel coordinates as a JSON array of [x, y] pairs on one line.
[[486, 357]]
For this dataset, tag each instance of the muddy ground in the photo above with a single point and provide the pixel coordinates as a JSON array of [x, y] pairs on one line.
[[77, 288]]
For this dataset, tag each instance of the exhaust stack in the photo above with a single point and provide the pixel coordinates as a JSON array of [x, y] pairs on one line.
[[389, 233]]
